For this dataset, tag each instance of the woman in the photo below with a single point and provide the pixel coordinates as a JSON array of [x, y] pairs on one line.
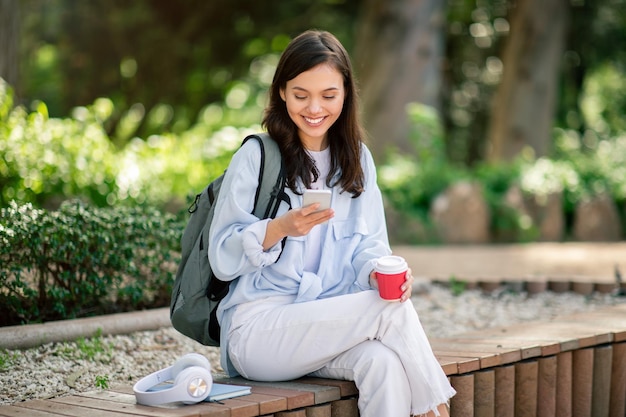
[[310, 306]]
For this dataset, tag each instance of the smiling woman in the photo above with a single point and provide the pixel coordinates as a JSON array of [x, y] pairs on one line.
[[303, 296]]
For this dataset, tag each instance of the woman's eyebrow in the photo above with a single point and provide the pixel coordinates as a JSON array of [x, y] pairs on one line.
[[305, 90]]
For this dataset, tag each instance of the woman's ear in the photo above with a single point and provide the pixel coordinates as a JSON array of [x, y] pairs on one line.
[[282, 94]]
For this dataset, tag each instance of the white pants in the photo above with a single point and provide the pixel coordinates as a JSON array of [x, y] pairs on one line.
[[378, 344]]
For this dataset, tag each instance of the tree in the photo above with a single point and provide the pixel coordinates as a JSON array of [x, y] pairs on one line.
[[398, 54], [525, 103], [9, 40]]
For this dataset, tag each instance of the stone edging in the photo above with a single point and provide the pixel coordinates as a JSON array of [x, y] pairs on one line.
[[536, 286], [32, 335]]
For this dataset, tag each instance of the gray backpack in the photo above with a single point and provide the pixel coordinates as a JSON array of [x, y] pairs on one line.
[[197, 291]]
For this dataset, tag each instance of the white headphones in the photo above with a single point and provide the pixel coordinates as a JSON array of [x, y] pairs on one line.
[[192, 382]]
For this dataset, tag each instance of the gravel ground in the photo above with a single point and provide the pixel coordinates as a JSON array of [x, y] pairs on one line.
[[58, 369]]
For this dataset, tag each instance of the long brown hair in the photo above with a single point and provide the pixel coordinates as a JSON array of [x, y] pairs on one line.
[[345, 136]]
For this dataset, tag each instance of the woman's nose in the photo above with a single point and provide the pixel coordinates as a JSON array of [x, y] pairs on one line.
[[314, 107]]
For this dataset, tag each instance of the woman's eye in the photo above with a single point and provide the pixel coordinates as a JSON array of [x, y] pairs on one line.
[[300, 97], [329, 97]]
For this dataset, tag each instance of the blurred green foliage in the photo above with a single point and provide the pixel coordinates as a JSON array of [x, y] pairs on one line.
[[582, 167], [81, 260], [168, 59], [160, 63], [45, 160]]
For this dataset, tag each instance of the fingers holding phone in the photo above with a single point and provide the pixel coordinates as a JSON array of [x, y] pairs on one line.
[[322, 198]]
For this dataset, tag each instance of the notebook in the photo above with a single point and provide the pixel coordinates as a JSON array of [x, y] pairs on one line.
[[221, 392]]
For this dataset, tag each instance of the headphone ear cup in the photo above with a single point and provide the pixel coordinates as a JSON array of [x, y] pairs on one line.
[[190, 359], [194, 383]]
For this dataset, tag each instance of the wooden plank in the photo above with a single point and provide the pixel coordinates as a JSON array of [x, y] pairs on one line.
[[566, 339], [448, 365], [209, 409], [564, 384], [321, 393], [485, 393], [345, 408], [295, 399], [463, 365], [485, 359], [505, 391], [462, 404], [492, 353], [506, 344], [160, 411], [18, 410], [526, 378], [512, 350], [601, 392], [546, 387], [346, 388], [69, 410], [268, 404], [582, 382], [618, 381], [506, 354]]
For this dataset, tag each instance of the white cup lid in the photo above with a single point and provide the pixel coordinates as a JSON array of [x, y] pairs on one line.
[[391, 264]]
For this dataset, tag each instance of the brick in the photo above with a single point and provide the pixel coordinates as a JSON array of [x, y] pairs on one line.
[[546, 387], [345, 408], [582, 382], [617, 407], [601, 392], [505, 391], [462, 404], [484, 393], [526, 379]]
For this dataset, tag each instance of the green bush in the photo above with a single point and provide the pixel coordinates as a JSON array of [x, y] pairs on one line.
[[81, 261]]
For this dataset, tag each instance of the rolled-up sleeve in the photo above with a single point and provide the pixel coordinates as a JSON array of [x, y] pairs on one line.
[[236, 236]]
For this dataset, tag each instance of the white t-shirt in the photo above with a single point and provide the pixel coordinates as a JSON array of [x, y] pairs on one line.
[[314, 238]]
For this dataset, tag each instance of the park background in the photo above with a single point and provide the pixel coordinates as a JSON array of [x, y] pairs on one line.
[[491, 121]]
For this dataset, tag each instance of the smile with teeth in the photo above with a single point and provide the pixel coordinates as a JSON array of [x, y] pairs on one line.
[[315, 121]]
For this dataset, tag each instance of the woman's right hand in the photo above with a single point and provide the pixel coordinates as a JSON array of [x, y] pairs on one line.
[[295, 222]]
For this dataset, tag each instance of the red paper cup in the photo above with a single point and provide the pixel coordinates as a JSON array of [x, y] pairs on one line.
[[391, 274]]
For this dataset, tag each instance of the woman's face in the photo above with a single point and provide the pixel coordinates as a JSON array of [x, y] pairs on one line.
[[314, 102]]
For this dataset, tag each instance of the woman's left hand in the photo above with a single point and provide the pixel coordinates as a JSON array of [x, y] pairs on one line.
[[407, 287]]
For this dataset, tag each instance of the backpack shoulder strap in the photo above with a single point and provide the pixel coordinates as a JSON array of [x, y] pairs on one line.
[[271, 190]]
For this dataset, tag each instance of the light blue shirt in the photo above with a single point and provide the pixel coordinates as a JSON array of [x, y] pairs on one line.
[[354, 238]]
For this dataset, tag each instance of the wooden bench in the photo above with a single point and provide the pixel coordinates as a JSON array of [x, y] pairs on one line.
[[572, 366]]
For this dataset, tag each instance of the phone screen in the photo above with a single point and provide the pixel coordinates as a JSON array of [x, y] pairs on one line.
[[317, 196]]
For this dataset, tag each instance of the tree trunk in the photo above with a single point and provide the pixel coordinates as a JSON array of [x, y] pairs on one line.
[[9, 41], [398, 54], [524, 105]]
